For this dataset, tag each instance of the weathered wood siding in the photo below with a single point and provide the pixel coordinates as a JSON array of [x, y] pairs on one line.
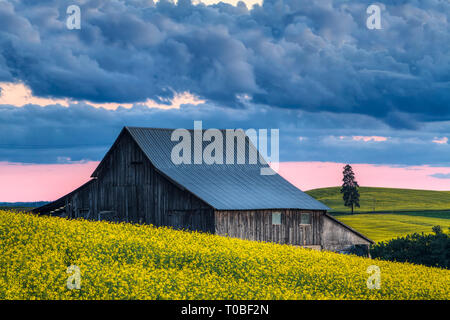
[[257, 225], [336, 237], [129, 188]]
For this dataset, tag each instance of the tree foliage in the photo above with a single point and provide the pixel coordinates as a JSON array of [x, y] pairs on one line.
[[430, 250], [349, 188]]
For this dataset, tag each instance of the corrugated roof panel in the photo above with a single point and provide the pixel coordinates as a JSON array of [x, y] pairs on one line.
[[223, 186]]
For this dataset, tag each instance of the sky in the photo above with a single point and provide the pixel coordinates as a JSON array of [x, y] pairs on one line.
[[339, 92]]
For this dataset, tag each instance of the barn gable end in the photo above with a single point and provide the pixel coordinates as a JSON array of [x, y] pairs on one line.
[[336, 236], [127, 187]]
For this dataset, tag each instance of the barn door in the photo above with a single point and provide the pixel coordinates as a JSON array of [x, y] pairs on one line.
[[300, 229], [306, 228]]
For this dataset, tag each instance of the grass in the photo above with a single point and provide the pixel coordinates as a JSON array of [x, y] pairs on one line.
[[381, 227], [387, 200], [428, 214], [125, 261], [394, 212]]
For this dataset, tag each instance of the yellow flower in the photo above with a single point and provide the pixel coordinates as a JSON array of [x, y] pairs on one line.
[[125, 261]]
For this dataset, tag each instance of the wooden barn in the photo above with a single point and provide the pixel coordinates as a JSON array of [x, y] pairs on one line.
[[138, 182]]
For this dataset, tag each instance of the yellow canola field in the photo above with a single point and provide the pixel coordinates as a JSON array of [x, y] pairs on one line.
[[125, 261]]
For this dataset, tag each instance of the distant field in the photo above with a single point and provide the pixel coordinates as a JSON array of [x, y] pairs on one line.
[[380, 227], [21, 206], [388, 200], [16, 209]]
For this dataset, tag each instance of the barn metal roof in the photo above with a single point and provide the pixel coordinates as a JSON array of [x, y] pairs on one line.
[[223, 186]]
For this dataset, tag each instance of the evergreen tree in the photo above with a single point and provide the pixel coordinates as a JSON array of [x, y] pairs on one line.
[[349, 188]]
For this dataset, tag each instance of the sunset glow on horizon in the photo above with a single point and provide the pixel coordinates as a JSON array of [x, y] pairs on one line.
[[48, 182]]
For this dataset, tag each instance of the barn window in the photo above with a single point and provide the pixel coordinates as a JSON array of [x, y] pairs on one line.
[[276, 218], [305, 218]]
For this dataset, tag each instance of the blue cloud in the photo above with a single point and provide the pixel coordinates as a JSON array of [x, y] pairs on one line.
[[36, 134], [441, 175], [291, 54]]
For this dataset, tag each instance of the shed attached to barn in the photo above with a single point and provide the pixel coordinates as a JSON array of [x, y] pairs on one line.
[[137, 181]]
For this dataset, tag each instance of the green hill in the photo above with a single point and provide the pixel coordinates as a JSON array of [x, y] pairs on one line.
[[381, 227], [386, 200]]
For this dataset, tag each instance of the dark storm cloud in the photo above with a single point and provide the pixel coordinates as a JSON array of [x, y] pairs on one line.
[[315, 56], [79, 132]]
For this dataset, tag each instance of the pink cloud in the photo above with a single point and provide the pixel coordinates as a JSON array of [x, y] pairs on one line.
[[311, 175], [442, 140], [361, 138], [36, 182], [18, 94], [41, 182], [369, 138]]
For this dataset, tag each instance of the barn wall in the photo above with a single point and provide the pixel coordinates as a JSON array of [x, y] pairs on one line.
[[323, 232], [257, 225], [129, 188], [81, 203], [336, 237]]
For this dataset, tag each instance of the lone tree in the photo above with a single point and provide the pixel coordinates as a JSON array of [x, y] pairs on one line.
[[349, 188]]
